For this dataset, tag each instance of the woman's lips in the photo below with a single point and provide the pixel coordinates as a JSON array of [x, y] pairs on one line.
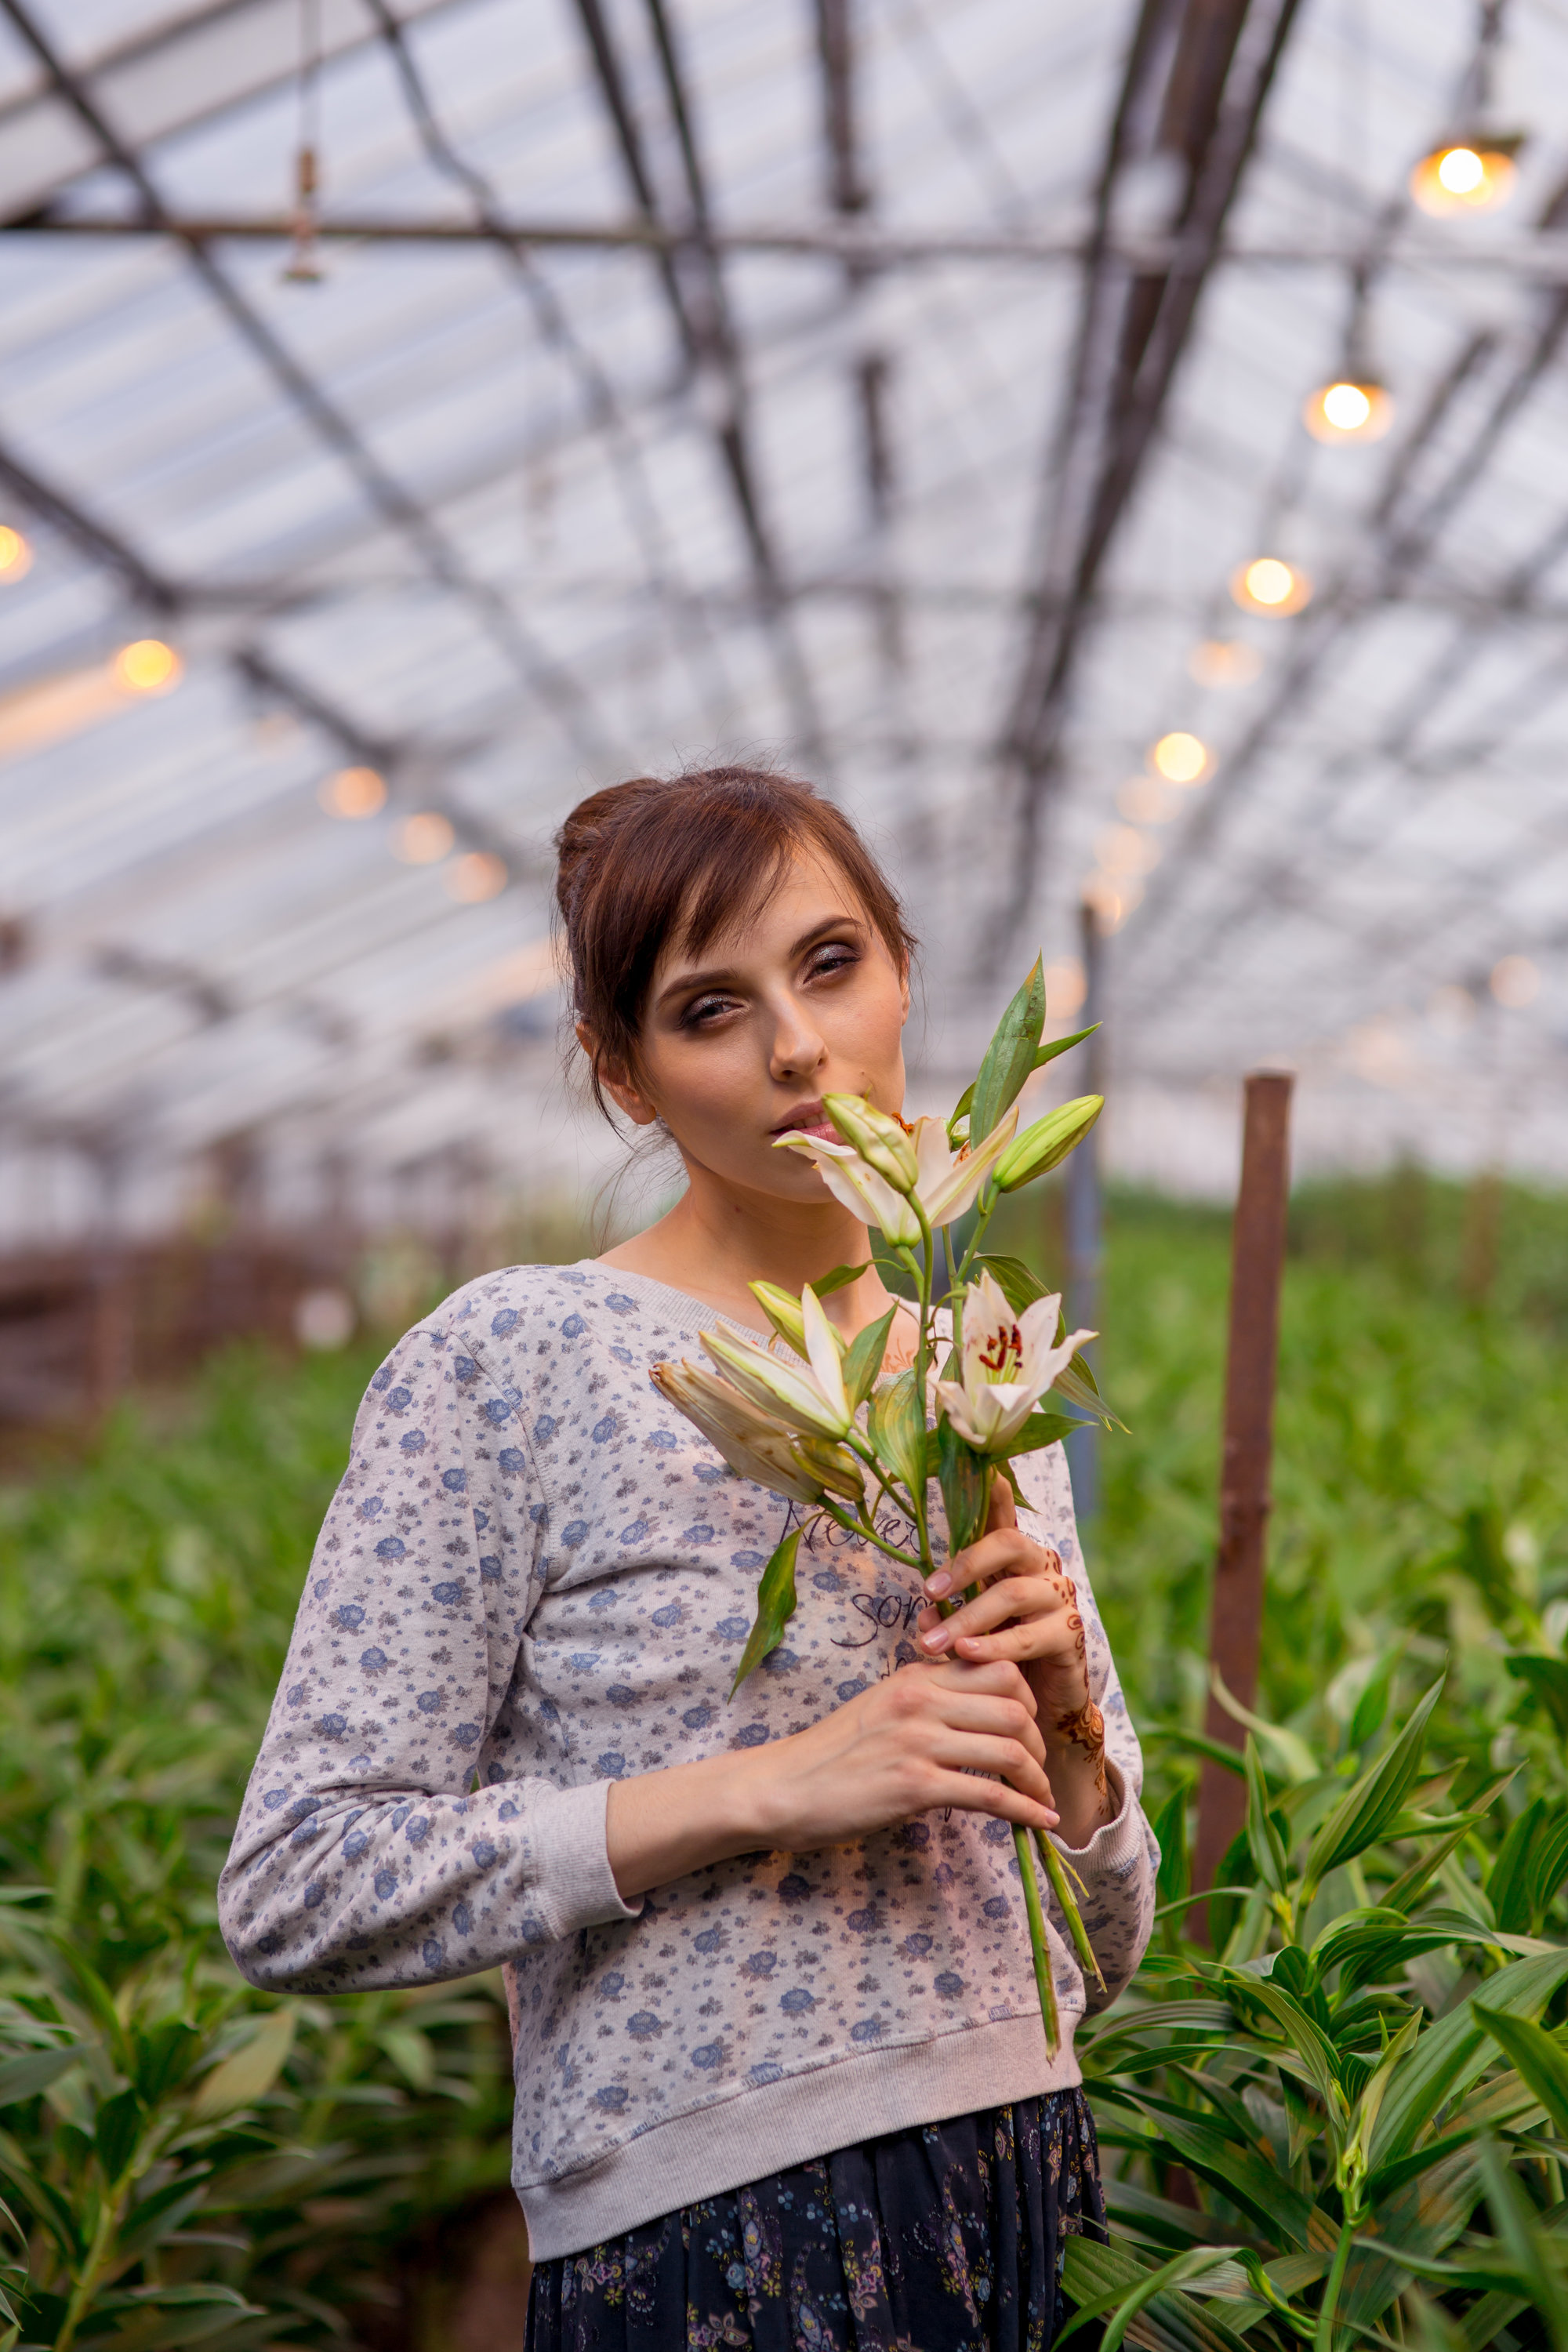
[[809, 1118]]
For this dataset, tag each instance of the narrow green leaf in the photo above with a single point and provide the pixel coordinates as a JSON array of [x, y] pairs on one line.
[[1263, 1839], [1019, 1286], [1371, 1707], [1041, 1429], [776, 1607], [1170, 1828], [118, 2131], [1452, 2054], [1010, 1056], [898, 1432], [250, 2073], [839, 1279], [1044, 1054], [1364, 1811], [965, 1480], [1536, 2055], [863, 1360], [24, 2076], [1272, 2201], [1547, 1679], [1507, 1882], [1548, 1867]]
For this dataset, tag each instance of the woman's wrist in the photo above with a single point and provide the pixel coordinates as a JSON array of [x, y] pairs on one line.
[[662, 1825]]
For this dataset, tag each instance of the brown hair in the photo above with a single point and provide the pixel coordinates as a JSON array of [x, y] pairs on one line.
[[645, 862]]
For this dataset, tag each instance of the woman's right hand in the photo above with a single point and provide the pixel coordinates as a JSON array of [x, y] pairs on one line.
[[909, 1744]]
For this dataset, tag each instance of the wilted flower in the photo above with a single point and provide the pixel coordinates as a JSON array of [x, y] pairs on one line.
[[1007, 1362], [810, 1397], [752, 1442], [947, 1182]]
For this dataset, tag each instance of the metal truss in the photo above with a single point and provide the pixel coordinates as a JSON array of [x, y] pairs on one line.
[[1195, 83]]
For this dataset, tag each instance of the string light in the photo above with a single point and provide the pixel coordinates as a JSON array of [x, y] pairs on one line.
[[1351, 408], [1473, 172], [1515, 982], [1113, 898], [424, 839], [148, 667], [16, 555], [1122, 851], [479, 876], [354, 793], [1268, 584], [1064, 987], [1223, 661], [1180, 758]]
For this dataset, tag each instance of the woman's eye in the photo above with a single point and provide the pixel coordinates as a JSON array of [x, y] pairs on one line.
[[706, 1010], [827, 960]]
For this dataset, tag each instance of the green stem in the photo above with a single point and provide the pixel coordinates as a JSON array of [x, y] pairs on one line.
[[1323, 2340], [92, 2270], [1039, 1949], [1067, 1903], [864, 1527]]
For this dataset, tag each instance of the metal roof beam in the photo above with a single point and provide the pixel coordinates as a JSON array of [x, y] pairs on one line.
[[556, 688], [1193, 93]]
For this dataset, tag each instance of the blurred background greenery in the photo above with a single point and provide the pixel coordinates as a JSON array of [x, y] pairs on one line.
[[344, 2181]]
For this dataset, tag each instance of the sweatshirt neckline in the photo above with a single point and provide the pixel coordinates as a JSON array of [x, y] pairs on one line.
[[680, 1304]]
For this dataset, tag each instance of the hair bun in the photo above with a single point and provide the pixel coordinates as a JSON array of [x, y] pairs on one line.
[[581, 841]]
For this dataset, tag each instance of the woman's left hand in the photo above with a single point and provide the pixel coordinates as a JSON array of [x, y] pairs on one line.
[[1027, 1612]]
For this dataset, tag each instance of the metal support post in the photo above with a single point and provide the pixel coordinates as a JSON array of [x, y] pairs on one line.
[[1257, 1260]]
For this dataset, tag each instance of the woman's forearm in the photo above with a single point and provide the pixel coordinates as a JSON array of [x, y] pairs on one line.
[[663, 1825]]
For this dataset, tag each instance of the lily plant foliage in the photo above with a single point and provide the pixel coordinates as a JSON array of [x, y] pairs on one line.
[[825, 1423]]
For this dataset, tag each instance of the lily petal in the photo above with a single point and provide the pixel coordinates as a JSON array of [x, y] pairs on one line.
[[824, 1354]]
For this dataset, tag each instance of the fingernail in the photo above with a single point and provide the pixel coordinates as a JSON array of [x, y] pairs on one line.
[[935, 1640], [938, 1584]]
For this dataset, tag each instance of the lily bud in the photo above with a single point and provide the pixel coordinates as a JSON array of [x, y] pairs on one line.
[[880, 1141], [1046, 1143]]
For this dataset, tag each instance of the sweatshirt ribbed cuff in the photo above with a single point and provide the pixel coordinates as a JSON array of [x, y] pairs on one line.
[[1117, 1846], [570, 1863]]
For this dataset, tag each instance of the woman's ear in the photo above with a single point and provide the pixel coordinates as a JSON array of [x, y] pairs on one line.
[[625, 1096], [904, 987]]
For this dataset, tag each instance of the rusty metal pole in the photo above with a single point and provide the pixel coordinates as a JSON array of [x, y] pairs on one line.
[[1257, 1259], [1083, 1218]]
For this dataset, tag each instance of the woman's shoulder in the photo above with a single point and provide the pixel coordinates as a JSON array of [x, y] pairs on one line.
[[538, 1306]]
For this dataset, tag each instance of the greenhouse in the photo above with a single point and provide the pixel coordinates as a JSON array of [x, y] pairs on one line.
[[1057, 520]]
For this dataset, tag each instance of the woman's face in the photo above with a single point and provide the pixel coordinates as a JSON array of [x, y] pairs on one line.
[[741, 1043]]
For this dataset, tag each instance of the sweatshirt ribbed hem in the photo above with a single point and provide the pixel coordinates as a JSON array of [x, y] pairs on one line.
[[768, 2127]]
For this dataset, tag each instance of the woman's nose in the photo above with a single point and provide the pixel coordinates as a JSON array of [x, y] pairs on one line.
[[798, 1048]]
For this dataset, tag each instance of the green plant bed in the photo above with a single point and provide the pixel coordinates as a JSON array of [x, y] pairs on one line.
[[186, 2160]]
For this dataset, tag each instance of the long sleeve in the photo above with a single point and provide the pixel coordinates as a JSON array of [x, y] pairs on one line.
[[382, 1841], [1118, 1866]]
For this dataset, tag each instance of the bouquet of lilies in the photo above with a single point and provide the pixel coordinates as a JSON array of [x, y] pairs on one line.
[[814, 1418]]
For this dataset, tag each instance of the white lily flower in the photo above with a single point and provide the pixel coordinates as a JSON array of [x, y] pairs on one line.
[[947, 1182], [811, 1397], [1007, 1362], [752, 1442]]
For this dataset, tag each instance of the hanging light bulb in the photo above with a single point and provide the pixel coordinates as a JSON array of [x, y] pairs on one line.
[[1473, 172], [1180, 758], [147, 667], [1268, 584], [1350, 408], [16, 555]]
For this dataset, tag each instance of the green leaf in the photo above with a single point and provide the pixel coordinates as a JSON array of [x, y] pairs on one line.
[[118, 2133], [1099, 2277], [1041, 1429], [250, 2074], [1170, 1828], [1042, 1055], [1364, 1811], [1452, 2054], [1507, 1882], [1537, 2056], [897, 1430], [1176, 2272], [1014, 1279], [839, 1279], [1264, 1841], [164, 2057], [1548, 1867], [1371, 1706], [1274, 2203], [776, 1607], [863, 1360], [24, 2076], [1548, 1682], [1010, 1056], [965, 1480]]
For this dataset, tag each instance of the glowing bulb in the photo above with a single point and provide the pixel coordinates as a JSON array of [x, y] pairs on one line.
[[1143, 800], [1122, 850], [1351, 408], [148, 667], [1270, 585], [1515, 981], [479, 876], [1113, 896], [1181, 759], [1064, 987], [354, 793], [1466, 175], [424, 839], [16, 555]]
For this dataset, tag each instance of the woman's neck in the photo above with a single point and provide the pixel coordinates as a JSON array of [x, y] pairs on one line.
[[716, 1240]]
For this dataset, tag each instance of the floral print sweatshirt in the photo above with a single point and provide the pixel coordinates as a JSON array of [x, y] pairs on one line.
[[536, 1577]]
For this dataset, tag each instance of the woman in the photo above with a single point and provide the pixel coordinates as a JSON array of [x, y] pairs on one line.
[[781, 2077]]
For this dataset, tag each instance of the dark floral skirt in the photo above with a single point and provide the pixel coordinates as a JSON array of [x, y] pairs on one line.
[[945, 2237]]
